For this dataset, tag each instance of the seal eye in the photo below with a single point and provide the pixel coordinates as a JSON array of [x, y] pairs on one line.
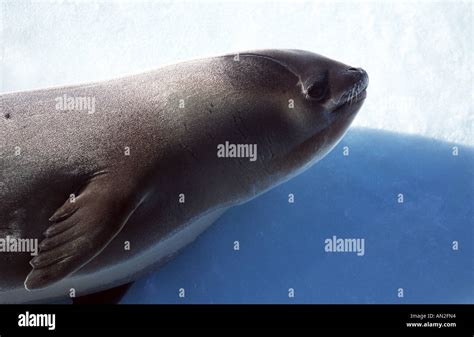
[[317, 91], [318, 88]]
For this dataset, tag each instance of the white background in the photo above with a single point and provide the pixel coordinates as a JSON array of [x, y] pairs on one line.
[[418, 54]]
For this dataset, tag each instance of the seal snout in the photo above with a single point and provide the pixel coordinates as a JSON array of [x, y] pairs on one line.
[[362, 78], [357, 81]]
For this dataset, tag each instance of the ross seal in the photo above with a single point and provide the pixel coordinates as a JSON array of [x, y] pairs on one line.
[[114, 190]]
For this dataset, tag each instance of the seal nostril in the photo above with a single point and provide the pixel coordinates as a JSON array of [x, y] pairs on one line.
[[361, 77], [351, 69]]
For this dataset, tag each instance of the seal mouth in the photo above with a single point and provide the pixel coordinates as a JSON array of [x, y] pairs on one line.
[[357, 97], [355, 101], [356, 94]]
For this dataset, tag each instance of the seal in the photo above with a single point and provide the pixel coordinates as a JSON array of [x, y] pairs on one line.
[[113, 189]]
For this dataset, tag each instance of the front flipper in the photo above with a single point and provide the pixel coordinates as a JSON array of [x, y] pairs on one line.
[[82, 228]]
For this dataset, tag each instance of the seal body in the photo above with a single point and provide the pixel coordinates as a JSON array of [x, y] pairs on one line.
[[111, 192]]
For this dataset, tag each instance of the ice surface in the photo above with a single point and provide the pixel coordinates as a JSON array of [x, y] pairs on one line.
[[418, 54], [407, 245]]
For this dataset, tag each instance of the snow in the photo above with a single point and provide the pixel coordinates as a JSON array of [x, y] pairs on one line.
[[408, 245], [418, 54]]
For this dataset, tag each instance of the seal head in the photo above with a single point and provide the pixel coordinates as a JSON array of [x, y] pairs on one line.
[[315, 99]]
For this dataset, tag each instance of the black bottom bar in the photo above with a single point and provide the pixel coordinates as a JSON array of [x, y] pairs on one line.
[[419, 319]]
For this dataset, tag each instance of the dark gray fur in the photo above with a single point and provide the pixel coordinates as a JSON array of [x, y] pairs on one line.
[[134, 198]]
